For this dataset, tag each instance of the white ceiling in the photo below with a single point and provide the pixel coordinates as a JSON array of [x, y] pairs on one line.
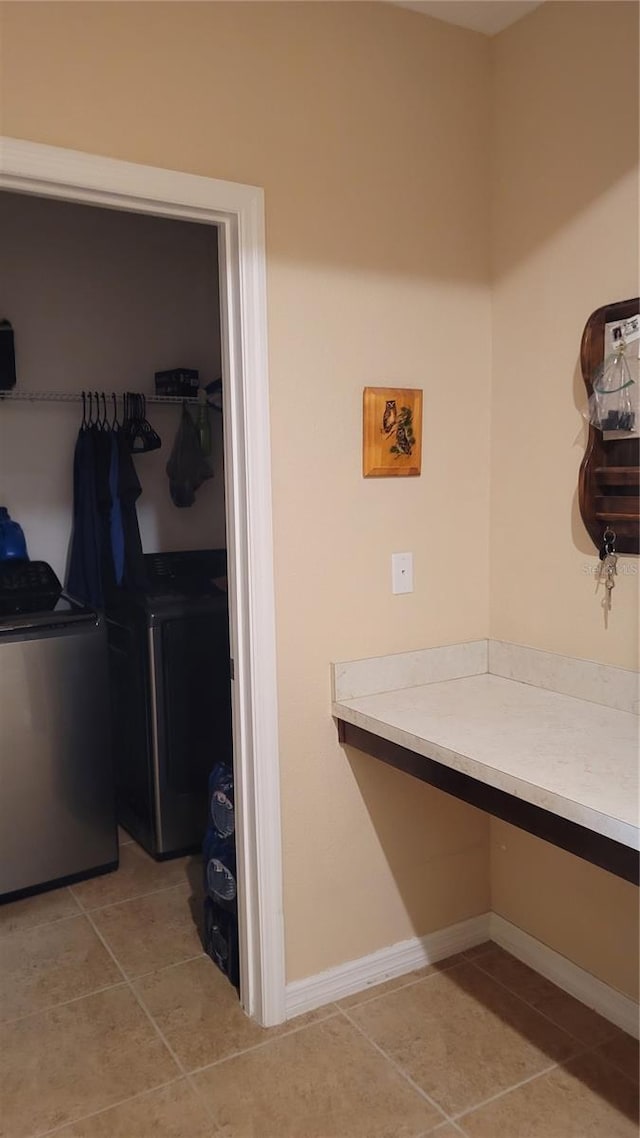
[[488, 16]]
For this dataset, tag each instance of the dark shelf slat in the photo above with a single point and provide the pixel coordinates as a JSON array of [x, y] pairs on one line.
[[618, 506], [617, 475], [622, 519], [622, 505]]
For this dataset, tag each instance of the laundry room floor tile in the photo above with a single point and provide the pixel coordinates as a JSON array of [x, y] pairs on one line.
[[580, 1021], [174, 1111], [80, 1065], [461, 1037], [200, 1016], [40, 909], [326, 1081], [623, 1052], [44, 966], [136, 875], [150, 932], [587, 1098], [72, 1060]]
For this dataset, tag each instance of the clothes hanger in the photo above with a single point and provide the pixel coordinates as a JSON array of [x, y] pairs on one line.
[[140, 433]]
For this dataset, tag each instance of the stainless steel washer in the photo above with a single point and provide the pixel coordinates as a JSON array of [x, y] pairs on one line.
[[57, 798]]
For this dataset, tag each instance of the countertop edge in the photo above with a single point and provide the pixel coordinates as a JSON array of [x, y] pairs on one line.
[[586, 816]]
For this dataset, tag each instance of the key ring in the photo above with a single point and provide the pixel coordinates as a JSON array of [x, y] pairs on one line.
[[609, 541]]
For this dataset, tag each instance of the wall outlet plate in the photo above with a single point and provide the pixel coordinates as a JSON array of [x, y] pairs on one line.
[[402, 572]]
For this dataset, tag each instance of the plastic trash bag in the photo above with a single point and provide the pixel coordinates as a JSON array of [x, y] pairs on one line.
[[613, 406], [187, 467]]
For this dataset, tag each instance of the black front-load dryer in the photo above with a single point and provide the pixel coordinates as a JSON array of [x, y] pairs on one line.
[[171, 697]]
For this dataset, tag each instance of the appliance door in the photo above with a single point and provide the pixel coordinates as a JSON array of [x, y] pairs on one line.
[[191, 701], [131, 727], [57, 803]]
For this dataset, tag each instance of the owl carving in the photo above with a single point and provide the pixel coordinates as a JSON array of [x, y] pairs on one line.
[[389, 416]]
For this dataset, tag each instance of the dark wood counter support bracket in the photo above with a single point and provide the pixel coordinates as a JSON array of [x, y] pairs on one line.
[[599, 850]]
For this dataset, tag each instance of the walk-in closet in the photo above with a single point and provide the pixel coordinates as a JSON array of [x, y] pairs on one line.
[[114, 612]]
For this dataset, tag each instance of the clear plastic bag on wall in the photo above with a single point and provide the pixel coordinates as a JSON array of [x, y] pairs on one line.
[[614, 404]]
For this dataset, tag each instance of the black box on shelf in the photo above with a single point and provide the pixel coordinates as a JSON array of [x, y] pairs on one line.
[[179, 381]]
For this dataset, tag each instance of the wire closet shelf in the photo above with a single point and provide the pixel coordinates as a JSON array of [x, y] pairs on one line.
[[76, 397]]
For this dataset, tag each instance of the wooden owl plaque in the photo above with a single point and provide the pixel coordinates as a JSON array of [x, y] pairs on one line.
[[392, 432]]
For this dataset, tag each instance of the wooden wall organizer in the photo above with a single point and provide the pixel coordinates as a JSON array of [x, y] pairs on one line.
[[609, 485]]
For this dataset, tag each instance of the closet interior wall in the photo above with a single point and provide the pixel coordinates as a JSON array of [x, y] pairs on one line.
[[102, 299]]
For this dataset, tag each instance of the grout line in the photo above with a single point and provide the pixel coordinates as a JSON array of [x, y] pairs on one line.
[[440, 1126], [41, 925], [584, 1050], [136, 897], [501, 1094], [406, 1077], [165, 967], [595, 1050], [104, 1109], [263, 1043], [542, 1013], [454, 1117], [52, 920], [62, 1004], [155, 1025]]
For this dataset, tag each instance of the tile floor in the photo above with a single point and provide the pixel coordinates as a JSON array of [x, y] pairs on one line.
[[115, 1025]]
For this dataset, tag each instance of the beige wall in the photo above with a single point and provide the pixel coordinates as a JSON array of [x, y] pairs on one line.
[[581, 911], [566, 216], [565, 241], [368, 128]]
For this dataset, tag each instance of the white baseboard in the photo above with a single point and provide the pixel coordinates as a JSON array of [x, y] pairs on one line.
[[613, 1005], [304, 995], [407, 955]]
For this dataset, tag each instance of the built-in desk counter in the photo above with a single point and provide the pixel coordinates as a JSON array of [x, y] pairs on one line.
[[561, 767]]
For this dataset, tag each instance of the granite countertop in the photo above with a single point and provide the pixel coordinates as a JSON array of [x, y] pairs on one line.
[[573, 757]]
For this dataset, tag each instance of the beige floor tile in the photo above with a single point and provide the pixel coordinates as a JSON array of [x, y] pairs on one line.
[[323, 1082], [70, 1061], [123, 837], [37, 910], [579, 1020], [199, 1013], [171, 1112], [150, 932], [446, 1131], [44, 966], [585, 1099], [137, 874], [462, 1037], [375, 990], [624, 1052]]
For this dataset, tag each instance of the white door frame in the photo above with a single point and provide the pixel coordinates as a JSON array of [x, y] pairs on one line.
[[238, 211]]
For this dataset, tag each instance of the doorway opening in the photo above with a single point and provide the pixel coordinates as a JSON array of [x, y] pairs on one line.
[[237, 213]]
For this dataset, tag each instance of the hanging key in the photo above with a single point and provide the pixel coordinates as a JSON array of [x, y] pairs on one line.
[[608, 573], [608, 567]]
